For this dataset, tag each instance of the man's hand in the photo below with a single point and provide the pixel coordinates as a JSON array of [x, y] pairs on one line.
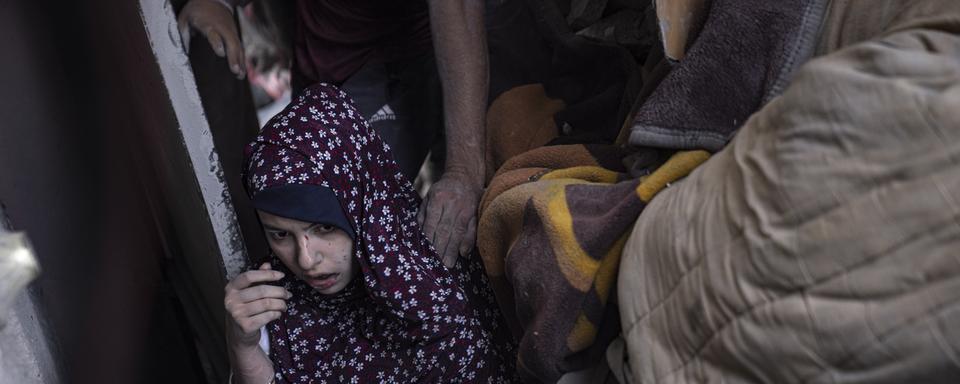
[[250, 306], [448, 215], [215, 20]]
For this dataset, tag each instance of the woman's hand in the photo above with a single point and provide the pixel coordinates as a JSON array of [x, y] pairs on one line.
[[250, 306], [214, 19]]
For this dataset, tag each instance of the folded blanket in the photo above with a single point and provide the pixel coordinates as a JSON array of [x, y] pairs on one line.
[[551, 242], [742, 57]]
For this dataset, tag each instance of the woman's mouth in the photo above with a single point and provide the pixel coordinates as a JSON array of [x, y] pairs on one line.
[[323, 281]]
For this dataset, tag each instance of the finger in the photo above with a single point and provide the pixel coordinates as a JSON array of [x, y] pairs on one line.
[[443, 240], [260, 292], [445, 250], [421, 213], [441, 244], [434, 213], [254, 323], [469, 240], [260, 306], [234, 52], [451, 238], [450, 260], [249, 278], [216, 42], [265, 266]]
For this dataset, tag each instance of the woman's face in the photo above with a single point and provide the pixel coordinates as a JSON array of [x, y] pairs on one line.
[[319, 254]]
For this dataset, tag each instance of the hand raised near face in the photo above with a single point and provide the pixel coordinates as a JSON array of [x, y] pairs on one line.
[[250, 304]]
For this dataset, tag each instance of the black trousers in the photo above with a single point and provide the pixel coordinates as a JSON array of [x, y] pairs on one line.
[[402, 101]]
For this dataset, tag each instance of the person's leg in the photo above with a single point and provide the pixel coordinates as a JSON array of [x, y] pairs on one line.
[[401, 101]]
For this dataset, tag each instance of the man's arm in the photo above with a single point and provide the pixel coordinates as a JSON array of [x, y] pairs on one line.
[[448, 213]]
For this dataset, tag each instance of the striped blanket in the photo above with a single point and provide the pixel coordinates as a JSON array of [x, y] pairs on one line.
[[552, 227]]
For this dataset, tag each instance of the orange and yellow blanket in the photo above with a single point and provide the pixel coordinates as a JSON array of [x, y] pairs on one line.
[[552, 228]]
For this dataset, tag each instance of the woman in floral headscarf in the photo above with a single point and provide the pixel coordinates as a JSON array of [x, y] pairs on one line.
[[354, 291]]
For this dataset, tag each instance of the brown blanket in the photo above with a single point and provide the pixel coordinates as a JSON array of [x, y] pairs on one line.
[[552, 228]]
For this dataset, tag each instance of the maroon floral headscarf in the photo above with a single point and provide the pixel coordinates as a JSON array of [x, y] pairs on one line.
[[405, 318]]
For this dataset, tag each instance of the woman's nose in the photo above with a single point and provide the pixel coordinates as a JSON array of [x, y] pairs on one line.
[[305, 256]]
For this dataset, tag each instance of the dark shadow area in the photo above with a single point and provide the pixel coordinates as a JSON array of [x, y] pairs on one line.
[[84, 155]]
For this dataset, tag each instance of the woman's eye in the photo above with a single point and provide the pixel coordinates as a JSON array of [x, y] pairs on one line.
[[278, 235], [323, 228]]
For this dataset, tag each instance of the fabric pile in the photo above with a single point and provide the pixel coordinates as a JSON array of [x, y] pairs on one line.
[[820, 245], [551, 244], [554, 219]]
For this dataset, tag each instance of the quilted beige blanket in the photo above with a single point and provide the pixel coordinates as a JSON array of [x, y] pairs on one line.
[[822, 245]]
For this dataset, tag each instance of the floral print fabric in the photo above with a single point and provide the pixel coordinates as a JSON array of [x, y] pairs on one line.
[[406, 318]]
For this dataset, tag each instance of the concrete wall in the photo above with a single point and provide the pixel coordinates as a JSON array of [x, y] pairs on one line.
[[25, 356], [94, 167]]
